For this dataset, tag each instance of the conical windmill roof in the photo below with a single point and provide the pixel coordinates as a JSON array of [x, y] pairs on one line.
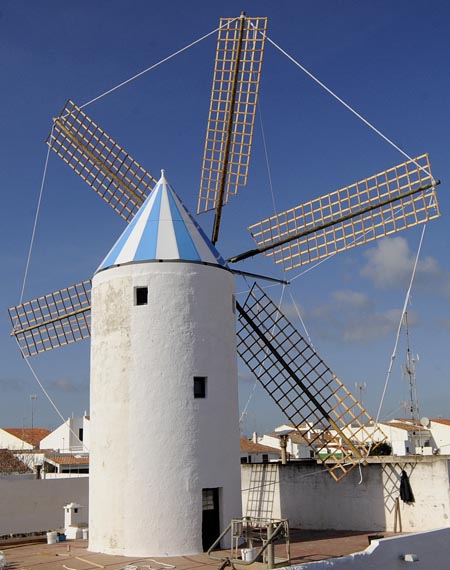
[[162, 230]]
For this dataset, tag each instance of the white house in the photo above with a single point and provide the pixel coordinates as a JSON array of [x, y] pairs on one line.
[[302, 442], [408, 438], [297, 446], [70, 437], [440, 429], [65, 464], [22, 438], [254, 452]]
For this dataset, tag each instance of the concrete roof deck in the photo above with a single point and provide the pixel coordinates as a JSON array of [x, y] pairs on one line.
[[306, 546]]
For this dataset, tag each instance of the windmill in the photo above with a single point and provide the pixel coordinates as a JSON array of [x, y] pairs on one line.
[[297, 379]]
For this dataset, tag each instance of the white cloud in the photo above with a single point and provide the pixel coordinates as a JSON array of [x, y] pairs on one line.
[[65, 384], [350, 316], [13, 384], [390, 264]]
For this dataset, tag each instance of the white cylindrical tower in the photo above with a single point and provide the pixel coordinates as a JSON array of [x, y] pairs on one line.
[[164, 467]]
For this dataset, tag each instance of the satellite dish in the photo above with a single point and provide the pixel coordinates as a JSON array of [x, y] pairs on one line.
[[425, 422]]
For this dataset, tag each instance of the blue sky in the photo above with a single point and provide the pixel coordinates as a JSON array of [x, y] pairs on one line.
[[390, 60]]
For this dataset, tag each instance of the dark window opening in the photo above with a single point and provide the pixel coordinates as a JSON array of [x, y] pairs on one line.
[[265, 458], [199, 386], [141, 295], [80, 434], [210, 517], [243, 460]]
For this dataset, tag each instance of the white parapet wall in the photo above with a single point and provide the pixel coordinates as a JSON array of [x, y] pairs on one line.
[[366, 500], [428, 550], [34, 505]]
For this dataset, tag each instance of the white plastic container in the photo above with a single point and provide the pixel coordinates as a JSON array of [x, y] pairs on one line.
[[51, 537], [85, 533], [248, 554]]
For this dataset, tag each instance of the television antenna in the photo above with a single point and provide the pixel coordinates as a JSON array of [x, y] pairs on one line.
[[286, 365], [410, 370]]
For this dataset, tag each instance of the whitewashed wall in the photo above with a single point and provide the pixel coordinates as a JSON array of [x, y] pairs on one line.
[[28, 505], [398, 438], [153, 446], [9, 441], [65, 437], [297, 450], [311, 499], [441, 436], [431, 549]]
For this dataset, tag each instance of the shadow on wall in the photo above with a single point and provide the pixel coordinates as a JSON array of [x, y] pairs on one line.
[[311, 499], [261, 490]]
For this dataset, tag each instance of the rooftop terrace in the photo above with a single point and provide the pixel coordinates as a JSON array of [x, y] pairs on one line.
[[306, 546]]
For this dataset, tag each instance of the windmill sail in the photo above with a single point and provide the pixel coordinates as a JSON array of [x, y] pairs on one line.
[[54, 320], [108, 169], [229, 134], [393, 200], [309, 394]]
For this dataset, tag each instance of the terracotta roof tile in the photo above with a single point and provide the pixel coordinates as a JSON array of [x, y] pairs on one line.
[[251, 447], [407, 426], [33, 436], [69, 459], [442, 421]]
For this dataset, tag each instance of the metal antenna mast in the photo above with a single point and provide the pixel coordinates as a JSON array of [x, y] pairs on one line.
[[411, 372]]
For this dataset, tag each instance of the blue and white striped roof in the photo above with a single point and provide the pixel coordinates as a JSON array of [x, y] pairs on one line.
[[162, 229]]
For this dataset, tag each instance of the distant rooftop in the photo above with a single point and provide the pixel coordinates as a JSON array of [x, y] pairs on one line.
[[407, 426], [68, 459], [251, 447], [441, 421], [32, 436]]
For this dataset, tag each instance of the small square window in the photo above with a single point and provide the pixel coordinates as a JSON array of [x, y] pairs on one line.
[[199, 386], [141, 295]]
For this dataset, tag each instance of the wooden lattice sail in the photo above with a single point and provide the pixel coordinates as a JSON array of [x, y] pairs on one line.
[[104, 165], [229, 134], [380, 205], [309, 394], [54, 320]]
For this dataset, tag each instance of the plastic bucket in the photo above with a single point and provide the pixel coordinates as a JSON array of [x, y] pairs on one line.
[[85, 533], [51, 537], [248, 554]]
